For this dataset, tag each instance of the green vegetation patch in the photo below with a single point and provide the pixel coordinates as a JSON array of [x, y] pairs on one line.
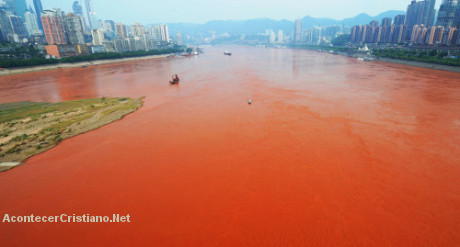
[[35, 60], [426, 56]]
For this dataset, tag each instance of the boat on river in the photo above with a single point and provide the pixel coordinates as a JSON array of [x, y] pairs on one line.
[[175, 80], [227, 53]]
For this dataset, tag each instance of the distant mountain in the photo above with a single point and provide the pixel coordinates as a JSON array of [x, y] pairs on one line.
[[365, 18], [256, 26], [253, 26]]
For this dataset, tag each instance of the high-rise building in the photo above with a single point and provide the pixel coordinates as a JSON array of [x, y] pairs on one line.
[[280, 37], [386, 22], [164, 32], [271, 37], [77, 8], [20, 7], [419, 13], [155, 34], [92, 16], [413, 14], [89, 9], [399, 20], [434, 35], [121, 45], [98, 36], [122, 32], [452, 36], [428, 13], [297, 31], [457, 20], [137, 30], [397, 36], [373, 32], [31, 23], [38, 11], [8, 6], [109, 29], [17, 25], [75, 28], [5, 26], [385, 34], [374, 23], [53, 27], [179, 40], [447, 14], [419, 34]]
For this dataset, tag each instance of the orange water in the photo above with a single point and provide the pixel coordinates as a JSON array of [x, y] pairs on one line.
[[332, 152]]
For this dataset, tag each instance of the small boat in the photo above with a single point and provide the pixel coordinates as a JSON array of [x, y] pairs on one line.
[[227, 53], [175, 80], [367, 59]]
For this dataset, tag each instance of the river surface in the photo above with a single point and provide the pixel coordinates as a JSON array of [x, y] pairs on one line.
[[333, 152]]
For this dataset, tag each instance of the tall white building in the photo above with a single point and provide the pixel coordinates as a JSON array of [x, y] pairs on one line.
[[155, 34], [164, 32], [94, 20], [298, 31], [179, 38], [31, 23], [272, 37], [98, 36], [137, 30], [92, 16], [280, 37]]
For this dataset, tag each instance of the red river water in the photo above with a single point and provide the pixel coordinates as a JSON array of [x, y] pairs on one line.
[[333, 152]]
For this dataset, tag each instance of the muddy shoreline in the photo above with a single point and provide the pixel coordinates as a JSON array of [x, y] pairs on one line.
[[22, 70]]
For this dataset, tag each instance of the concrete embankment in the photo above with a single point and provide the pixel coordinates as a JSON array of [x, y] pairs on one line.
[[421, 64], [409, 63], [22, 70]]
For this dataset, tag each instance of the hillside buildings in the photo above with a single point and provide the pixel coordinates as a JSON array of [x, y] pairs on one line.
[[67, 34], [417, 27], [53, 27]]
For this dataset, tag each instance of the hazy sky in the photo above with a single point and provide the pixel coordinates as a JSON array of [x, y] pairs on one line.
[[200, 11]]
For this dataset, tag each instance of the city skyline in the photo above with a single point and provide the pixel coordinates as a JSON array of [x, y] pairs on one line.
[[185, 12]]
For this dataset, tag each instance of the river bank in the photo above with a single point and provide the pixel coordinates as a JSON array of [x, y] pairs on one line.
[[409, 63], [421, 64], [29, 128], [22, 70]]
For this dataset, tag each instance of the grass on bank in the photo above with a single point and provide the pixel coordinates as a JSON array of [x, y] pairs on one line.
[[28, 128], [432, 56]]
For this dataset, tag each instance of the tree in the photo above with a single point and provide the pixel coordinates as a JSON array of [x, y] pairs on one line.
[[341, 40]]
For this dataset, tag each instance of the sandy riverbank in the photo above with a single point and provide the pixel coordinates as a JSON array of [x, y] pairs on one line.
[[28, 128], [23, 70]]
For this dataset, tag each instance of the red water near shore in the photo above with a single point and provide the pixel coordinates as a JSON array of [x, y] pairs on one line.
[[333, 152]]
